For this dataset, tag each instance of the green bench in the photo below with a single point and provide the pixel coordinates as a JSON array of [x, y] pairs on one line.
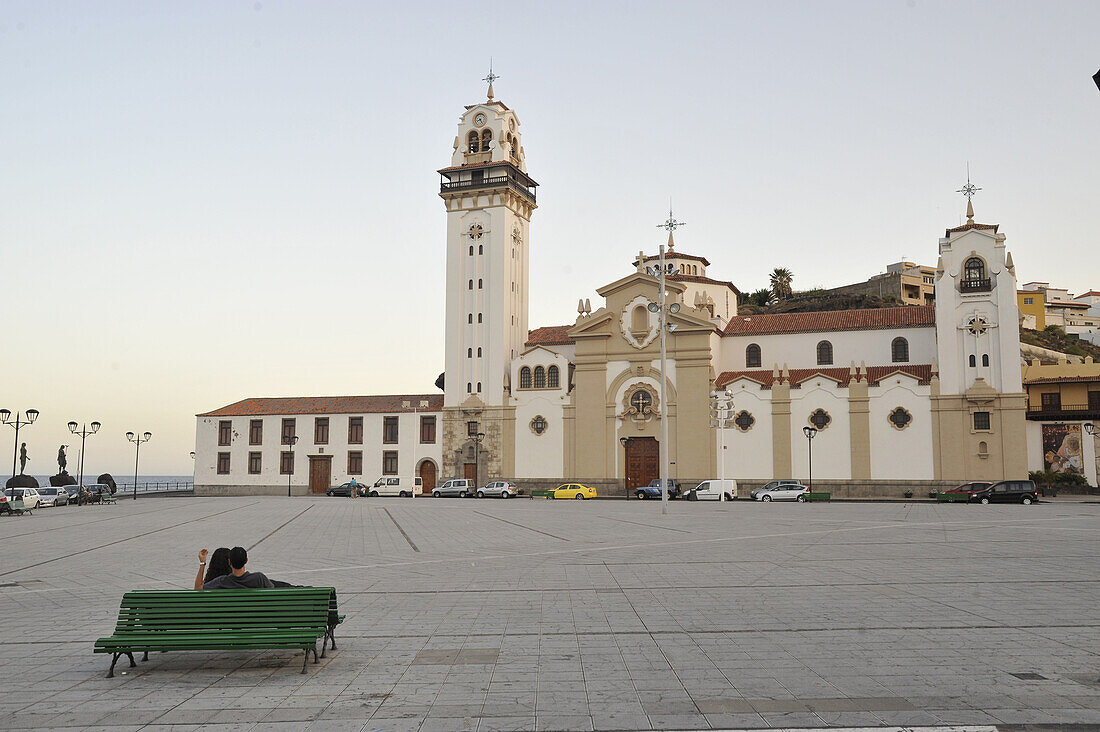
[[818, 496], [542, 493], [223, 620]]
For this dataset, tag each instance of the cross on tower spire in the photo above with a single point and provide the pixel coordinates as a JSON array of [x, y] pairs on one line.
[[671, 225], [969, 190], [491, 78]]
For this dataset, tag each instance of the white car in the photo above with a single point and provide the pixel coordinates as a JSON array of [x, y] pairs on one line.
[[713, 490], [772, 485], [460, 487], [29, 496], [392, 485], [501, 488], [782, 492]]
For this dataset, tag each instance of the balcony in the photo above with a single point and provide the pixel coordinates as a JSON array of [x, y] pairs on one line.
[[1067, 412], [514, 179], [985, 285]]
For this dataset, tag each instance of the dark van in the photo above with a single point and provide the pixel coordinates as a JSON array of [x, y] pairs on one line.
[[1007, 491]]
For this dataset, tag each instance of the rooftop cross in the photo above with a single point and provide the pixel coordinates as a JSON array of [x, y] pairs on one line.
[[491, 78], [671, 225], [969, 190]]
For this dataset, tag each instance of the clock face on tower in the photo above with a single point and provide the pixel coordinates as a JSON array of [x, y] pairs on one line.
[[479, 120]]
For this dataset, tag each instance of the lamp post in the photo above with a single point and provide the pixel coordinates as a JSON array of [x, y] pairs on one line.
[[83, 433], [422, 404], [291, 440], [662, 312], [5, 418], [477, 458], [137, 440], [721, 409], [810, 433]]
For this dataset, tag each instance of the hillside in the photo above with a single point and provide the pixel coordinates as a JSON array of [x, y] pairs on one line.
[[815, 301], [1057, 339]]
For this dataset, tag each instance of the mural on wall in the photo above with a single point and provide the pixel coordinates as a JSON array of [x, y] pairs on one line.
[[1062, 448]]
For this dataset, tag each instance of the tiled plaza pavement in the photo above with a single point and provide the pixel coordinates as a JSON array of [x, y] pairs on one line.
[[530, 614]]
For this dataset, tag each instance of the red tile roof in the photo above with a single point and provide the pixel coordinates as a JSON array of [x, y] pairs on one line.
[[673, 255], [967, 227], [473, 166], [1062, 379], [550, 335], [908, 316], [1090, 293], [841, 374], [704, 280], [327, 405]]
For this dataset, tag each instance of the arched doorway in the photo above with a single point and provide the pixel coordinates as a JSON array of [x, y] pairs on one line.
[[427, 476], [643, 458]]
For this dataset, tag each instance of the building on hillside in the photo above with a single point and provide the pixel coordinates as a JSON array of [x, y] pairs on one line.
[[1089, 328], [930, 393], [906, 282], [1042, 305], [1062, 400]]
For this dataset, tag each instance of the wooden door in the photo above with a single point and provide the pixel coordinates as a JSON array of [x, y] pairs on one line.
[[470, 471], [320, 473], [427, 476], [643, 458]]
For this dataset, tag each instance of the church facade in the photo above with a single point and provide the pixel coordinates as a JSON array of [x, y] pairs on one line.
[[909, 395]]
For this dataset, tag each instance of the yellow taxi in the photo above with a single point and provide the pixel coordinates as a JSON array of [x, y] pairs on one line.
[[575, 491]]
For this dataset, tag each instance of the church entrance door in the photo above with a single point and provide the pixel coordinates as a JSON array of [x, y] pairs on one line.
[[320, 473], [643, 457], [427, 476], [470, 471]]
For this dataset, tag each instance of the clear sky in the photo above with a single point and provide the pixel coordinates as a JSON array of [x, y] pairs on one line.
[[206, 201]]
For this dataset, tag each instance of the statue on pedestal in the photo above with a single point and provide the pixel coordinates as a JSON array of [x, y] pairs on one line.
[[22, 458], [61, 461]]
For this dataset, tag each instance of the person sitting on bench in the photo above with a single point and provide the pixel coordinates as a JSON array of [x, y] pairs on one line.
[[238, 578]]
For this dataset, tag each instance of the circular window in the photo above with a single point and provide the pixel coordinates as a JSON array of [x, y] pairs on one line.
[[641, 401], [538, 424], [820, 419], [900, 418], [744, 421]]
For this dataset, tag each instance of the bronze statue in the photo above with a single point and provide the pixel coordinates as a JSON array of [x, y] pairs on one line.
[[22, 458], [61, 461]]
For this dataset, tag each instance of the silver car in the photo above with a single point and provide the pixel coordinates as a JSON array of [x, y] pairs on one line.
[[50, 496], [771, 486], [782, 492], [460, 487], [499, 488]]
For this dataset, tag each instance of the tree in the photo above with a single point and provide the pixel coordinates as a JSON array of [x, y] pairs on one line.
[[781, 282], [760, 297]]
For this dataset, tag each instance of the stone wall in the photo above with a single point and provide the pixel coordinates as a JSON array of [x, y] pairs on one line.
[[250, 490]]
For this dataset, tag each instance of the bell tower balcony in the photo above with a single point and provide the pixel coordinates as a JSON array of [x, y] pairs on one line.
[[482, 176]]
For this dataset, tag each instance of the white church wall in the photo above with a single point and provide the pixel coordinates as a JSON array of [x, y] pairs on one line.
[[832, 457], [1034, 433], [901, 454], [539, 456], [749, 453], [799, 350]]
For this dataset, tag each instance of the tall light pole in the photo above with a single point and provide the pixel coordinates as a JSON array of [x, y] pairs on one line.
[[477, 458], [137, 440], [422, 404], [291, 440], [810, 433], [83, 433], [5, 418], [721, 409]]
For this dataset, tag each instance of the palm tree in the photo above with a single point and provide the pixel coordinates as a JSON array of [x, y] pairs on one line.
[[760, 297], [781, 282]]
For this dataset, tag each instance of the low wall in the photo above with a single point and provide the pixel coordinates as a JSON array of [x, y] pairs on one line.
[[249, 490]]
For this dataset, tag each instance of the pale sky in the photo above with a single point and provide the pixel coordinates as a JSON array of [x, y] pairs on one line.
[[207, 201]]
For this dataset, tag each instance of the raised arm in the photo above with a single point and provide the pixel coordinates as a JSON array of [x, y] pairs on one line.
[[202, 569]]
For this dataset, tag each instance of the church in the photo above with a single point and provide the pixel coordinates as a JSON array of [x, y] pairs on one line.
[[900, 399]]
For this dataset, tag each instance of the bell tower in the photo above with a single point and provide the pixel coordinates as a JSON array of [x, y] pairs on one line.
[[489, 199]]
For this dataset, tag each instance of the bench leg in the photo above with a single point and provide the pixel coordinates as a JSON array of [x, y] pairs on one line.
[[114, 660], [145, 657], [314, 649], [305, 661], [332, 636]]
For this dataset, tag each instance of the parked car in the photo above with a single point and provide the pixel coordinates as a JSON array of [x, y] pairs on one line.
[[963, 492], [97, 493], [499, 488], [1007, 491], [344, 489], [29, 496], [73, 492], [575, 491], [51, 496], [713, 490], [392, 485], [772, 485], [653, 490], [460, 487], [782, 492]]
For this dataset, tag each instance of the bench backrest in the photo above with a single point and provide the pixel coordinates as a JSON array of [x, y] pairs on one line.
[[231, 610]]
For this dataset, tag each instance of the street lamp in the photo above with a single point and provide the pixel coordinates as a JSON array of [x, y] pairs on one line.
[[422, 404], [291, 440], [1090, 428], [810, 433], [83, 433], [477, 458], [5, 418], [721, 412], [662, 312], [137, 440]]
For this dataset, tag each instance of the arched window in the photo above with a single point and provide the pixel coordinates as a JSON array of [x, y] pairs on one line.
[[472, 140], [973, 361], [469, 387], [469, 353], [899, 350], [486, 138], [540, 377], [480, 248], [479, 351], [985, 359], [695, 269], [525, 378], [471, 285], [479, 317], [479, 387], [471, 249], [639, 322], [974, 270], [552, 378], [470, 318], [752, 356], [479, 283], [824, 353]]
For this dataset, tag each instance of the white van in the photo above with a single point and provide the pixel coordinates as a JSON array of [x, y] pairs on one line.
[[393, 485], [713, 490]]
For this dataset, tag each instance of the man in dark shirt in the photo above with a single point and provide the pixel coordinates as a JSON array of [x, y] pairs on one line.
[[238, 578]]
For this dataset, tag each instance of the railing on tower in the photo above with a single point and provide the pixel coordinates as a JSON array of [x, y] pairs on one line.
[[513, 179]]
